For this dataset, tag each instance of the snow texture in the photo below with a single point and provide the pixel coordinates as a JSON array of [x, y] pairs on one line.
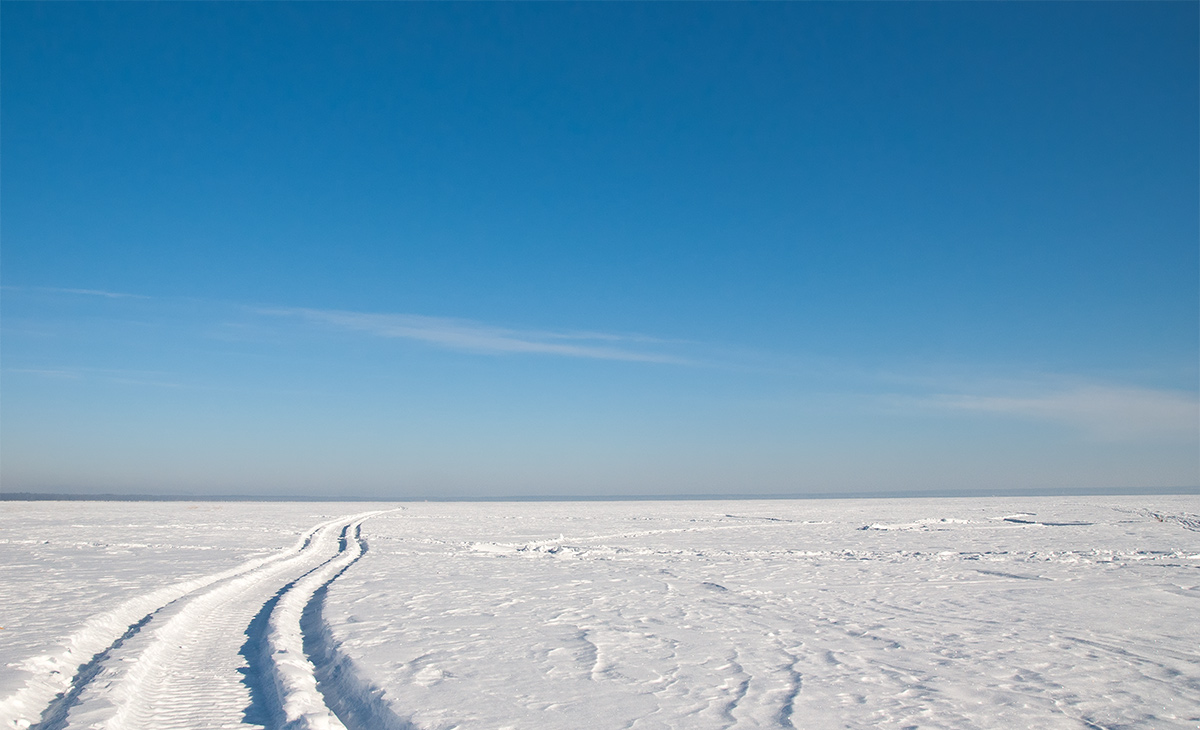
[[939, 613]]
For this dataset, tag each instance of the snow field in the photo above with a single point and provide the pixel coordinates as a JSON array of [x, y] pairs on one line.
[[974, 613], [970, 613]]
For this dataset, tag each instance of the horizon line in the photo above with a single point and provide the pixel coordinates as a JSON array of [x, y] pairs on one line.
[[903, 494]]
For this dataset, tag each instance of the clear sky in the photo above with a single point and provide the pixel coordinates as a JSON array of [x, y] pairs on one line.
[[408, 250]]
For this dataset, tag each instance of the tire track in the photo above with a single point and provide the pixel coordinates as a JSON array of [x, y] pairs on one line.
[[187, 678], [185, 671], [60, 678]]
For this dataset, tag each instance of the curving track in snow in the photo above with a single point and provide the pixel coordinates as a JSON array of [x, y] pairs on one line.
[[193, 655]]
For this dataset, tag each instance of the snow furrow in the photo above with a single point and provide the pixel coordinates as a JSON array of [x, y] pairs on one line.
[[56, 676], [795, 682], [737, 692]]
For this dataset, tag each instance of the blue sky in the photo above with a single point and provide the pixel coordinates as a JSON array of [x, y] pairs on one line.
[[408, 250]]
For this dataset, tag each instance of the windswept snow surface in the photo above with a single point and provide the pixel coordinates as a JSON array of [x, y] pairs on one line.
[[939, 613]]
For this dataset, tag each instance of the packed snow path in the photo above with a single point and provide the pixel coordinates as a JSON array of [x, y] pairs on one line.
[[193, 655]]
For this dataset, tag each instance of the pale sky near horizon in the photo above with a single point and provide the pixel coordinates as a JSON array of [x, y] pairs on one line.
[[454, 250]]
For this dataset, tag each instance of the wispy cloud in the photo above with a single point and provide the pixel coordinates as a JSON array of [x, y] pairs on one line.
[[80, 292], [100, 293], [125, 377], [1106, 412], [59, 373], [471, 336]]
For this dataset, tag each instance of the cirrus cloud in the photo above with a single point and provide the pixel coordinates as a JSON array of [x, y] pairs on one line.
[[472, 336]]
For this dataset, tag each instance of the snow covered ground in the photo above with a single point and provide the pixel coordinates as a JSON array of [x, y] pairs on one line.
[[964, 613]]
